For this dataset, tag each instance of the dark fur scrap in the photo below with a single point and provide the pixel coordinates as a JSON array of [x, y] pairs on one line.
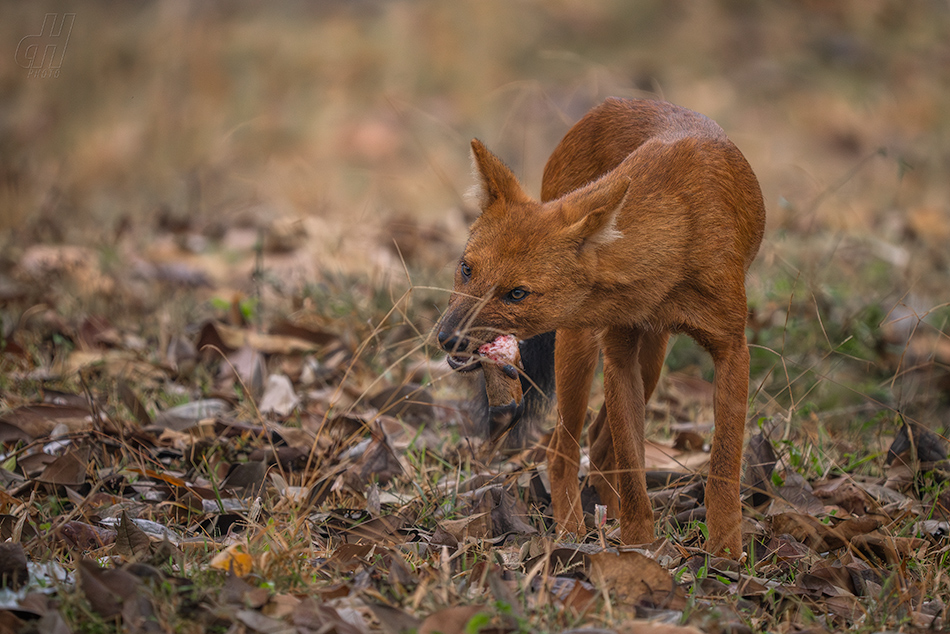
[[537, 386], [502, 387]]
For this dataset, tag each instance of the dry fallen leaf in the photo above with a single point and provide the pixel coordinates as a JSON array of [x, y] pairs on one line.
[[187, 415], [452, 620], [760, 460], [920, 443], [67, 470], [640, 627], [131, 542], [279, 396], [886, 549], [233, 559], [13, 567], [106, 589], [473, 524], [822, 537], [310, 615], [229, 338], [393, 620], [83, 536], [239, 592], [845, 493], [634, 578], [37, 421]]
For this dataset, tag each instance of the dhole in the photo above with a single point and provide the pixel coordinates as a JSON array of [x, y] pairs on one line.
[[649, 219]]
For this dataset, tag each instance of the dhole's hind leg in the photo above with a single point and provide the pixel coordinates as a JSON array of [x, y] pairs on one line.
[[652, 355], [603, 465], [603, 475], [575, 358], [723, 506], [624, 397]]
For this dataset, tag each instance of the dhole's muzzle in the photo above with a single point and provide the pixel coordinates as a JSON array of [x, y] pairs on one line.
[[457, 346], [459, 336], [460, 344]]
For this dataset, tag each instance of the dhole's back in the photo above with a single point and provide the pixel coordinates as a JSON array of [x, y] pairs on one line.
[[606, 136]]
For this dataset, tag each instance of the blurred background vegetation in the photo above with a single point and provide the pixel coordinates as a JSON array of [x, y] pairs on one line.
[[211, 146]]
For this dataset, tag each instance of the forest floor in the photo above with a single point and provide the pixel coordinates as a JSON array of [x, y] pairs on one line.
[[226, 236]]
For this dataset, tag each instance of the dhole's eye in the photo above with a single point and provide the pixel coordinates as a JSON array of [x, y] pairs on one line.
[[466, 271], [515, 295]]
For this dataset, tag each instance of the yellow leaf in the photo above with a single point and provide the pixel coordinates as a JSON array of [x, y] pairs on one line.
[[233, 558]]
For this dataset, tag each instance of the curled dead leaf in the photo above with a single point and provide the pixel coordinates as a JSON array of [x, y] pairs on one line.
[[818, 536], [917, 443], [187, 415], [887, 549], [68, 469], [634, 578], [229, 338], [83, 536], [472, 525], [37, 421]]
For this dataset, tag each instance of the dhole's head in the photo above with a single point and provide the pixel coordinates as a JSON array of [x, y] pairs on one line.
[[527, 266]]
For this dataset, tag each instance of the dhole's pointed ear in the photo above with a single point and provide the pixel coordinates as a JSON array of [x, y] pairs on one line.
[[494, 179], [599, 204]]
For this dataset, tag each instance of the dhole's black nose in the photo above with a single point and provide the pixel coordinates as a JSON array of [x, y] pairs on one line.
[[453, 342]]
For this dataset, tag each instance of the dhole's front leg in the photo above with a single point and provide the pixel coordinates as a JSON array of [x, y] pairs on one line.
[[723, 506], [626, 408], [575, 358]]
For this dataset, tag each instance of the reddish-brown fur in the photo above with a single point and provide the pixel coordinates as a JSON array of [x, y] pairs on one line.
[[649, 221]]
